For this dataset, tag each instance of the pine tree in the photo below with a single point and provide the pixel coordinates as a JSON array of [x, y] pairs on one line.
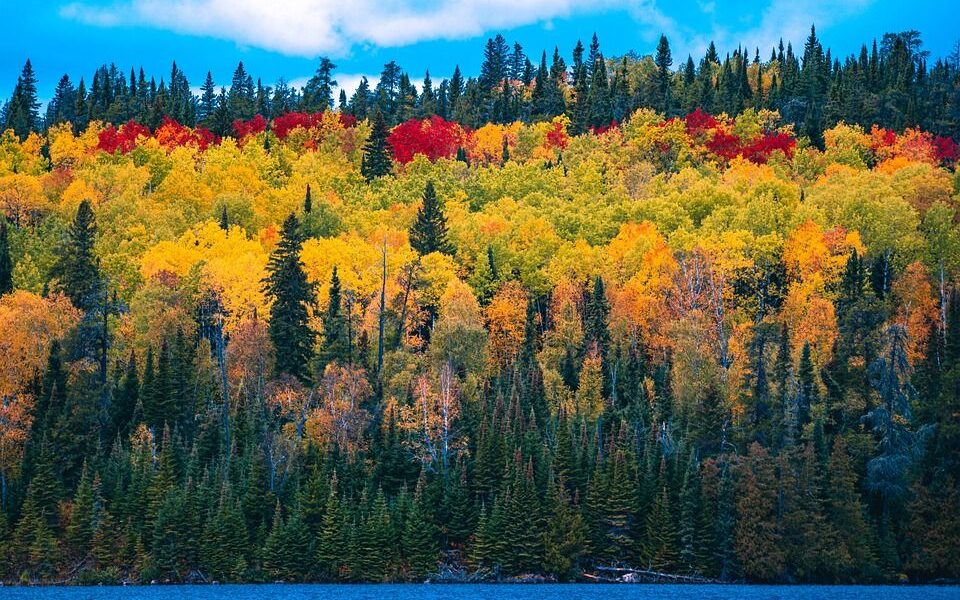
[[208, 101], [566, 538], [292, 295], [336, 343], [330, 540], [429, 232], [6, 264], [523, 542], [377, 161], [77, 269], [23, 109], [660, 543], [419, 539], [690, 511], [725, 527], [84, 514], [596, 331], [318, 93], [759, 544]]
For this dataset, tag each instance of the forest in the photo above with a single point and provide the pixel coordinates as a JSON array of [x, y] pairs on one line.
[[700, 319]]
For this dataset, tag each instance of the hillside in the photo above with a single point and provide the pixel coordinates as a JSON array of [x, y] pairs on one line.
[[327, 346]]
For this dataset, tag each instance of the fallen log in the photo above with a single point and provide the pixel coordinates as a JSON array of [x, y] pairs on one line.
[[609, 574]]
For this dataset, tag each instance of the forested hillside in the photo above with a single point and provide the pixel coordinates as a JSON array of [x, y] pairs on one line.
[[699, 319]]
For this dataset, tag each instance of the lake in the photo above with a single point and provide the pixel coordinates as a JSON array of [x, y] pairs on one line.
[[482, 592]]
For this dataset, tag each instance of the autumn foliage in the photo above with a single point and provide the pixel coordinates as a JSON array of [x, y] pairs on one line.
[[433, 138]]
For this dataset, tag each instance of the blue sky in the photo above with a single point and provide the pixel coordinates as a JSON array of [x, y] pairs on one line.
[[75, 36]]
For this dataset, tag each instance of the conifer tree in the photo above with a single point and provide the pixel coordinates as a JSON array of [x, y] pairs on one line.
[[6, 264], [596, 331], [688, 523], [758, 538], [336, 345], [307, 202], [419, 539], [566, 538], [84, 513], [292, 295], [330, 541], [77, 269], [377, 161], [23, 109], [429, 232]]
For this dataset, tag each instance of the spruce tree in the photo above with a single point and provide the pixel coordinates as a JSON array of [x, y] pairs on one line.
[[330, 540], [307, 202], [292, 295], [336, 345], [77, 269], [6, 264], [596, 331], [419, 539], [84, 513], [429, 232], [566, 538], [377, 154], [23, 110], [661, 538]]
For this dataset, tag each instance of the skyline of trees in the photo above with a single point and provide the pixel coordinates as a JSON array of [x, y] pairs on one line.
[[894, 83]]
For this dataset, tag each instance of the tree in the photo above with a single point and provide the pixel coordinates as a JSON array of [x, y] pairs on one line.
[[429, 232], [758, 538], [432, 420], [23, 109], [845, 509], [307, 202], [293, 295], [318, 93], [661, 538], [22, 199], [6, 264], [62, 107], [664, 61], [84, 515], [77, 270], [376, 152], [566, 540], [898, 444], [419, 538], [337, 338]]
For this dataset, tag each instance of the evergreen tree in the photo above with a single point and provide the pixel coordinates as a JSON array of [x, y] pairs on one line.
[[208, 101], [292, 295], [419, 537], [429, 232], [77, 269], [6, 263], [377, 160], [336, 338], [318, 93], [63, 105], [664, 61], [23, 109], [566, 538]]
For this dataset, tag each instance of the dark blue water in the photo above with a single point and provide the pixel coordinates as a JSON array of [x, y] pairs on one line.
[[484, 592]]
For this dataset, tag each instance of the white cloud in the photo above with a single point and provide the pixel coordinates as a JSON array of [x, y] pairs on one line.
[[335, 28], [313, 27]]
